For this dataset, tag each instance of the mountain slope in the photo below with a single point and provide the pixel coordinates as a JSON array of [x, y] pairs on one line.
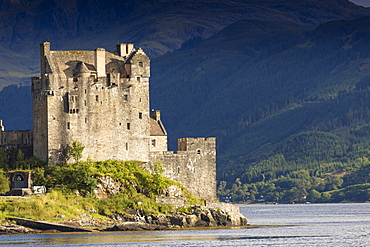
[[271, 80], [158, 26]]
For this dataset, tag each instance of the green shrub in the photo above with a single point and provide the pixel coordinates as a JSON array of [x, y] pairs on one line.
[[4, 183]]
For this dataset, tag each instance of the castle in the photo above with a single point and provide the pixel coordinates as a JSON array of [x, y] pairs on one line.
[[101, 99]]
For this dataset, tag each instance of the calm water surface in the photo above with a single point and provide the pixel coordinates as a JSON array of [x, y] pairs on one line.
[[297, 225]]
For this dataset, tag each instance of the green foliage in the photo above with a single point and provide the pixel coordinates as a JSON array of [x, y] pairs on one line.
[[14, 159], [3, 160], [138, 190], [4, 183], [75, 150], [83, 177], [43, 207]]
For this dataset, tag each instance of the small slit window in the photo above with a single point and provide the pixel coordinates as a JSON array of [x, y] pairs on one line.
[[140, 115], [128, 126], [140, 64], [97, 98], [198, 151], [138, 79], [68, 125], [125, 97], [153, 143]]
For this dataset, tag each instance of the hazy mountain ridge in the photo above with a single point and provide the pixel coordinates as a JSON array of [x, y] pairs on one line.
[[157, 26]]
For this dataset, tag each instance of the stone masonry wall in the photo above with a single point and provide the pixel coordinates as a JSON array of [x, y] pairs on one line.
[[108, 114], [194, 166]]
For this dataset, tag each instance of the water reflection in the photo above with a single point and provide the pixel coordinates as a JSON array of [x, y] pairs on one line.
[[300, 225]]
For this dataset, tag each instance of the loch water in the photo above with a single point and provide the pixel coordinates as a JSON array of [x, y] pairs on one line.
[[346, 224]]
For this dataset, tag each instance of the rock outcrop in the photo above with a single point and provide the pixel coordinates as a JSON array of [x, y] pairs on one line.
[[16, 229], [214, 214]]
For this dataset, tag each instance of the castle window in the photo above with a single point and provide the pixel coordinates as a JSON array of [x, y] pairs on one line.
[[76, 110], [85, 102], [126, 146], [119, 124], [153, 143], [140, 115], [140, 64], [178, 169], [198, 151], [70, 111], [125, 97], [68, 125], [128, 126], [85, 90], [97, 98], [138, 79], [85, 120]]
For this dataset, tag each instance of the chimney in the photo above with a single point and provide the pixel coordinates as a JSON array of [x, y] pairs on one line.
[[1, 125], [100, 62], [124, 49], [44, 51], [156, 115]]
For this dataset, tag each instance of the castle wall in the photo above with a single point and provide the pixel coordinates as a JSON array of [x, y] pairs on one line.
[[194, 165], [158, 143], [20, 139], [108, 114]]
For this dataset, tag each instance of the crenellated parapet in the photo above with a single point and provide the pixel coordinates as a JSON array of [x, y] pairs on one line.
[[193, 165]]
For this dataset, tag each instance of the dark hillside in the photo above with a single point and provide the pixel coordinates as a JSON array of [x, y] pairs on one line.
[[273, 81], [158, 26]]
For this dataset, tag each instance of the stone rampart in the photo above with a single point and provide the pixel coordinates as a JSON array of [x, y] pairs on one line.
[[194, 166]]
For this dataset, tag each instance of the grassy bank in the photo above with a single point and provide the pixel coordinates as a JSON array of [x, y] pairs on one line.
[[72, 192]]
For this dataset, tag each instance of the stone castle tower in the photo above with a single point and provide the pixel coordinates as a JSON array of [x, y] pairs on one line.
[[101, 99]]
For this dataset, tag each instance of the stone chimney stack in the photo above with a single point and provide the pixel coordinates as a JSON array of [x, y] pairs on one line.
[[156, 115], [44, 51], [100, 62], [124, 49], [1, 125]]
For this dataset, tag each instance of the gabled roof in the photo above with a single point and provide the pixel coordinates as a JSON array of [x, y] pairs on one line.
[[156, 128]]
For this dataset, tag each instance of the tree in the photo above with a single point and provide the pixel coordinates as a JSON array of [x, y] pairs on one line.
[[4, 183], [3, 160], [75, 150], [313, 196], [19, 160]]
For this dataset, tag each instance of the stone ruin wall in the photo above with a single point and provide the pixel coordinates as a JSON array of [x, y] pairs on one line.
[[20, 139]]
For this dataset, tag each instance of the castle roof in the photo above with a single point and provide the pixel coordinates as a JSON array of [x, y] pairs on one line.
[[156, 128], [68, 63], [81, 68]]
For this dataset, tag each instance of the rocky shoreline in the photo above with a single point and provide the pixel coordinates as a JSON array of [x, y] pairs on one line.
[[213, 215]]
